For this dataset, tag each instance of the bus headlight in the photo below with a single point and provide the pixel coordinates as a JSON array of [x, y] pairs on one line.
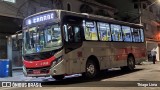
[[57, 61]]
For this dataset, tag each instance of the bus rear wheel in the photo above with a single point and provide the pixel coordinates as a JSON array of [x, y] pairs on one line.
[[130, 64], [58, 77], [91, 69]]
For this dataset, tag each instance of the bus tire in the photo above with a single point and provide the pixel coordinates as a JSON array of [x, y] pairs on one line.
[[91, 69], [130, 64], [58, 77]]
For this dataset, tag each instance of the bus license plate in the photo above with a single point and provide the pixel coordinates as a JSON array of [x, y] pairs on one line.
[[36, 71]]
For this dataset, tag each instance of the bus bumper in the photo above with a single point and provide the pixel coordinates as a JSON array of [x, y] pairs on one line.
[[58, 69], [31, 72]]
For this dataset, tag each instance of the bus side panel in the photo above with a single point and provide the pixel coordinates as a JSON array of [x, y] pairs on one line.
[[119, 56], [109, 55], [101, 50], [122, 51], [74, 61], [139, 52]]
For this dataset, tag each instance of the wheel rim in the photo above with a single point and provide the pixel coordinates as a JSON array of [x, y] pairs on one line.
[[91, 70]]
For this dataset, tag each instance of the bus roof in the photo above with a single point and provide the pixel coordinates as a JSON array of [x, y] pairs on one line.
[[96, 17]]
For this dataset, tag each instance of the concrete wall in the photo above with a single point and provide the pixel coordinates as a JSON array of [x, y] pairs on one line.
[[11, 9], [76, 4], [123, 5], [125, 8], [24, 8], [148, 18]]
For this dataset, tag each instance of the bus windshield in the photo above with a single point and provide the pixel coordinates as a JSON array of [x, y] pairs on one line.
[[42, 38]]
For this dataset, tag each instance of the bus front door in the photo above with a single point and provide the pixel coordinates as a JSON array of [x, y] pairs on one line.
[[73, 42]]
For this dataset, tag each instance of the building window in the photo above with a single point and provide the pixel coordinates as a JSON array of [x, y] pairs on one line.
[[144, 5], [146, 26], [151, 9], [11, 1], [116, 32], [104, 31], [136, 6], [68, 7]]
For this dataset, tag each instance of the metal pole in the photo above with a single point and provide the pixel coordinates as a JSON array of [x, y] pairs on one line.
[[9, 51], [140, 12]]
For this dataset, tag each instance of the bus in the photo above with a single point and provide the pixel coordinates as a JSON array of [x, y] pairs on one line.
[[58, 43]]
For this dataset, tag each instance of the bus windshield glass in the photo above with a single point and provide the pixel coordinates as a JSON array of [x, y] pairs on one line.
[[42, 38]]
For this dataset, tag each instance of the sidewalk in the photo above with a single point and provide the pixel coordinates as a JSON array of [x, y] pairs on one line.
[[146, 63], [19, 76]]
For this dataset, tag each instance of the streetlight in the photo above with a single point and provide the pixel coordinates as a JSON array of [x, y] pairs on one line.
[[140, 11], [156, 1]]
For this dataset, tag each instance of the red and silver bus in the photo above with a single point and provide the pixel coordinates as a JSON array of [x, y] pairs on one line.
[[58, 43]]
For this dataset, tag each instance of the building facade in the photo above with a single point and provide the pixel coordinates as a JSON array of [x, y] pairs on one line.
[[10, 22]]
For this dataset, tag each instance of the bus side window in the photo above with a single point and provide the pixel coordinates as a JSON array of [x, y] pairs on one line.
[[65, 33], [136, 35], [116, 32], [126, 34], [90, 31], [142, 35], [77, 34], [104, 31], [70, 34]]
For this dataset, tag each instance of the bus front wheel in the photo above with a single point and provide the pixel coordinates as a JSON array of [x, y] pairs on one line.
[[91, 69]]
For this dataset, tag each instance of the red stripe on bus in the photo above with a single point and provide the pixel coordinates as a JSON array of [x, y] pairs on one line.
[[39, 63], [122, 53]]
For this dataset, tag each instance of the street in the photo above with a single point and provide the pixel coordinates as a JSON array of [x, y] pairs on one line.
[[115, 79]]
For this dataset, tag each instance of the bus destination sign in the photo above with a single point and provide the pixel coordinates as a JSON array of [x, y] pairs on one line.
[[40, 18]]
